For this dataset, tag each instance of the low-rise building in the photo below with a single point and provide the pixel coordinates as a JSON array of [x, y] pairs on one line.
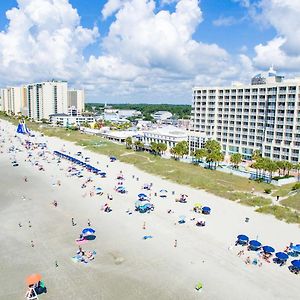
[[162, 115], [168, 135], [66, 120]]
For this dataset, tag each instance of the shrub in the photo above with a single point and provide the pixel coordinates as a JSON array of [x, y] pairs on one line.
[[268, 191], [296, 186]]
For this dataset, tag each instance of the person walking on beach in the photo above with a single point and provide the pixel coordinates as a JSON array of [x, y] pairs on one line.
[[32, 244], [25, 179], [175, 244], [56, 264], [89, 222], [144, 225], [29, 224], [73, 223]]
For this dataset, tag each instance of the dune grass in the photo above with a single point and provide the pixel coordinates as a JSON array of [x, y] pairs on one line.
[[292, 201], [281, 213]]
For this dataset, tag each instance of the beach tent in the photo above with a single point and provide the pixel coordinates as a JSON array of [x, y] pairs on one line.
[[268, 249], [112, 158], [90, 237], [22, 128], [254, 245]]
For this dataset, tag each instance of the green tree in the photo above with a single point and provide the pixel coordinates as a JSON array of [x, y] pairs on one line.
[[128, 142], [256, 154], [213, 153], [271, 167], [297, 168], [236, 159], [162, 147], [200, 154], [139, 146]]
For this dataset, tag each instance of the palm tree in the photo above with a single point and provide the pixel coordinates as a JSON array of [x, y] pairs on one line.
[[289, 167], [138, 145], [236, 159], [128, 142], [256, 155]]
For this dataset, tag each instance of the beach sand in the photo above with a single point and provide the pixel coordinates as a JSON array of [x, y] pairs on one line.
[[126, 266]]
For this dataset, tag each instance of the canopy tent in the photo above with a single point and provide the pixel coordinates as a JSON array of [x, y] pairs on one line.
[[282, 256], [268, 249]]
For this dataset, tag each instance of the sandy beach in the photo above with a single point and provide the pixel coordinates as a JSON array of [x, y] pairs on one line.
[[126, 266]]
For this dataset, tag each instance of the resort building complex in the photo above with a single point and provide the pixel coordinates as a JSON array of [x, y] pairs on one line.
[[39, 100], [263, 115]]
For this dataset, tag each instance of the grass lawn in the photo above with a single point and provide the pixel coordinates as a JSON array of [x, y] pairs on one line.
[[225, 185]]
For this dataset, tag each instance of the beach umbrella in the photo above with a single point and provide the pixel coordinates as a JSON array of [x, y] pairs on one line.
[[90, 237], [268, 249], [182, 217], [88, 231], [163, 191], [296, 248], [33, 278], [243, 238], [282, 256], [141, 195], [206, 209], [255, 244], [197, 205], [296, 263]]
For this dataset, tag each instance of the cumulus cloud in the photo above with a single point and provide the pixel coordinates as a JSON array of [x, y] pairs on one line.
[[225, 21], [43, 39], [149, 53]]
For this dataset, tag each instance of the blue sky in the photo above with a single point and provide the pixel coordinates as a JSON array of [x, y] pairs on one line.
[[146, 51]]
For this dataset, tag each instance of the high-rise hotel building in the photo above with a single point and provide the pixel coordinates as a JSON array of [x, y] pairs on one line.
[[40, 100], [264, 115]]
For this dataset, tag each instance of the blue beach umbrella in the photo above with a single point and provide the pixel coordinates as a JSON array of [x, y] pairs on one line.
[[268, 249], [206, 209], [296, 263], [254, 245], [88, 230], [141, 195], [163, 191], [296, 248], [282, 256], [243, 238]]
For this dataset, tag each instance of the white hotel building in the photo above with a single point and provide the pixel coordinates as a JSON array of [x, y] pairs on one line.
[[40, 100], [264, 115]]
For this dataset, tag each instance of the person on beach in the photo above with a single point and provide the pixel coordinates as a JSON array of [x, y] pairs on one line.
[[29, 224], [32, 244], [73, 223], [89, 222], [144, 225], [20, 225], [25, 179], [175, 243]]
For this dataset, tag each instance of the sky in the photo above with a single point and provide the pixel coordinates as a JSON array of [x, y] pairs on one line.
[[146, 51]]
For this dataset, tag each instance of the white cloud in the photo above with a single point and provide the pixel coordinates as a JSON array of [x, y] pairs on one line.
[[148, 54], [283, 50], [225, 21], [43, 39]]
